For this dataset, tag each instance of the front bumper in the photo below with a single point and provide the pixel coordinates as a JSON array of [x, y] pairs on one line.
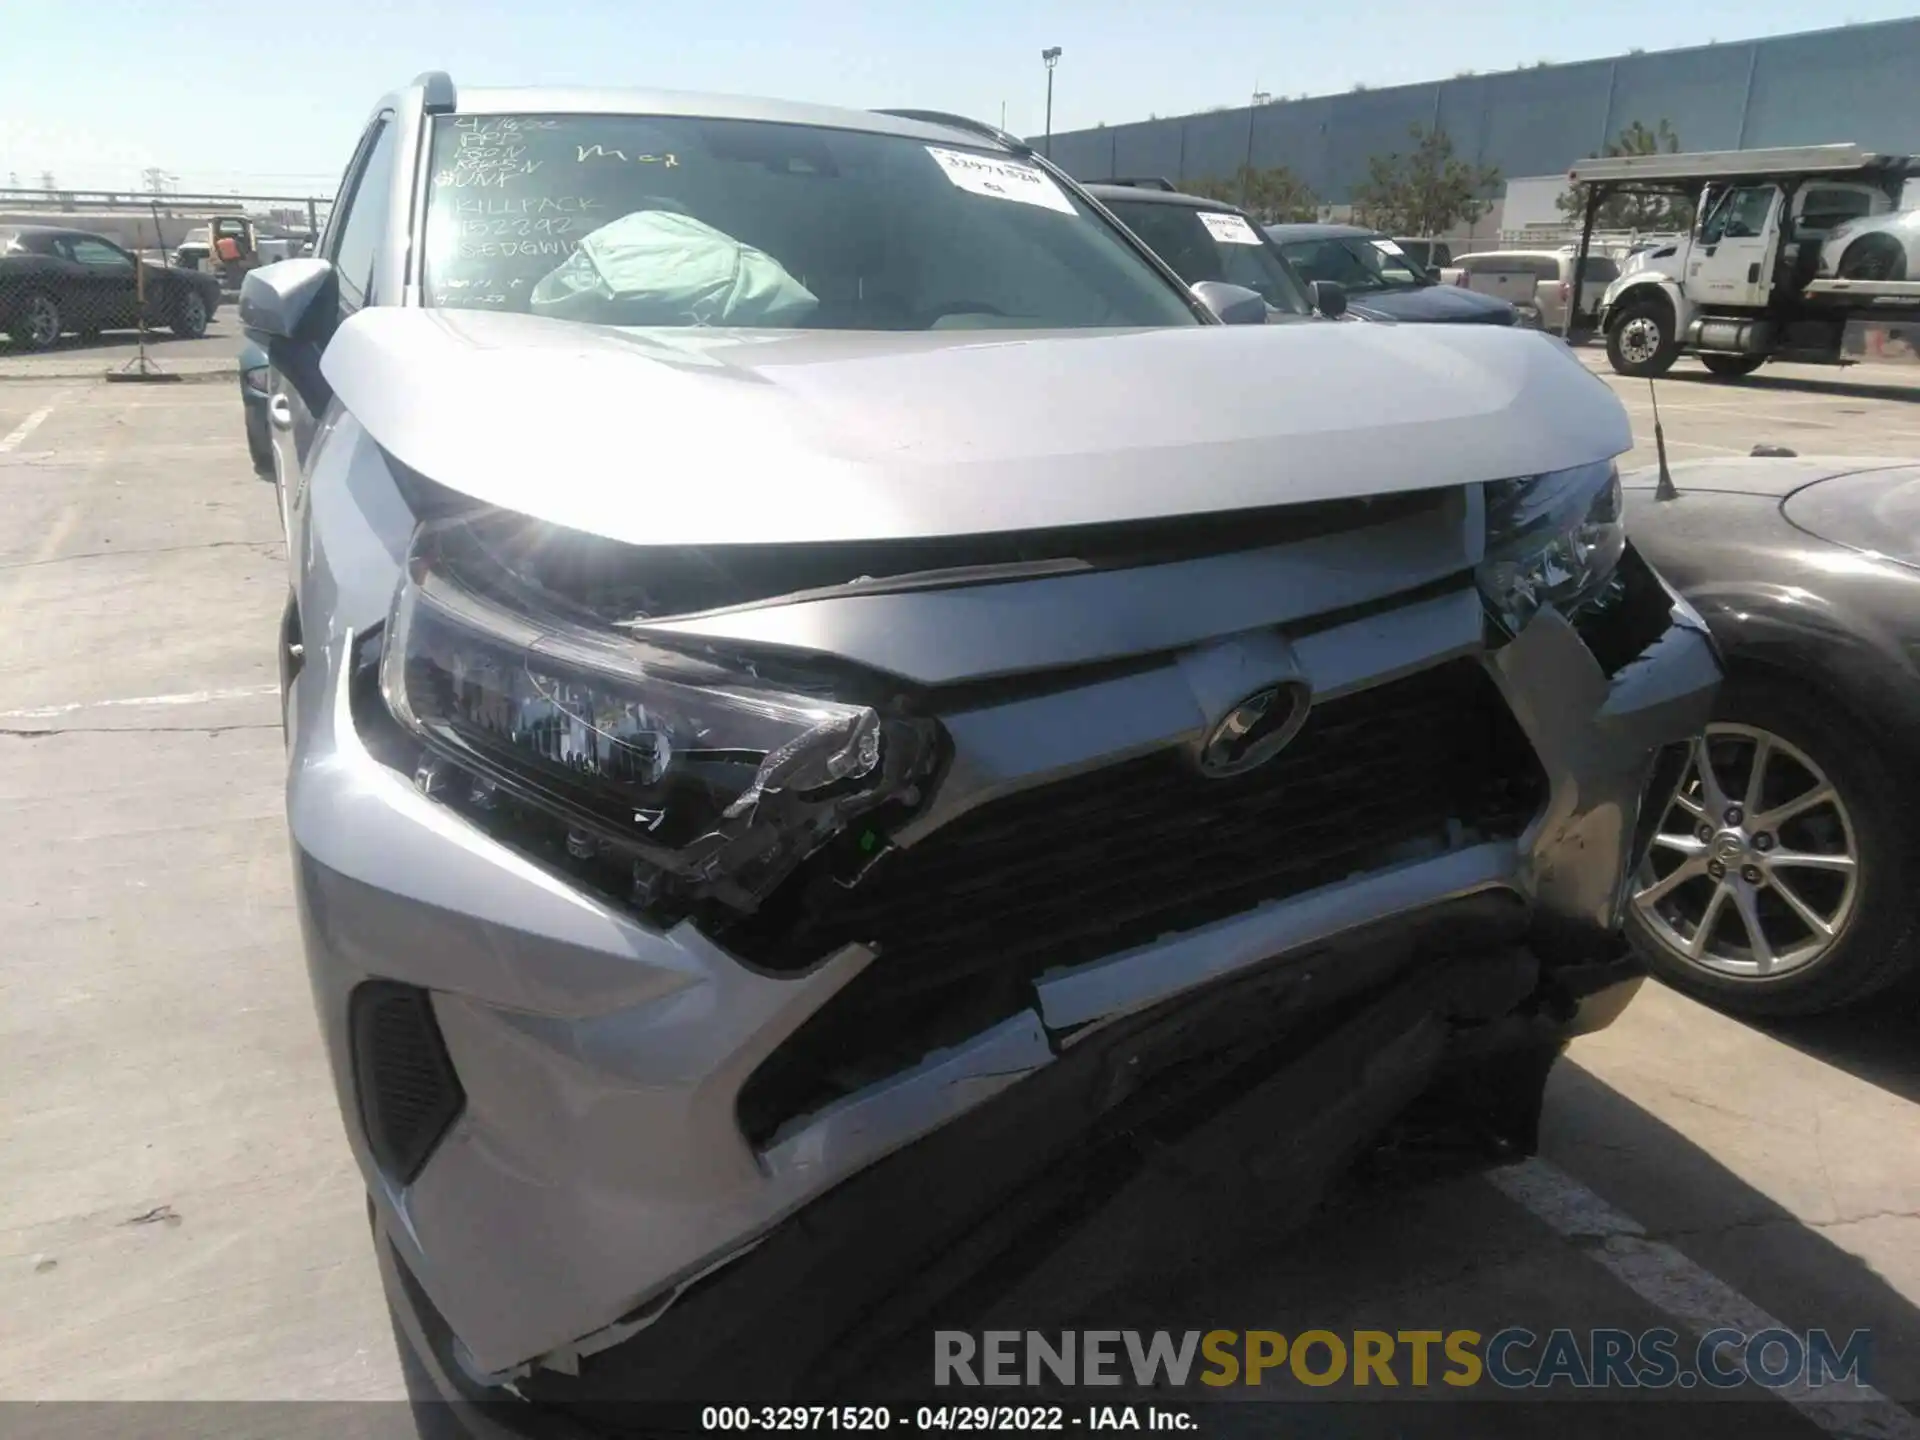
[[599, 1175]]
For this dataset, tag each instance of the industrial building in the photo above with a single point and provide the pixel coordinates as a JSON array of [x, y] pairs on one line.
[[1852, 84]]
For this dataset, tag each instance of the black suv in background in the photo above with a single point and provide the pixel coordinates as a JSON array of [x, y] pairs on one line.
[[1211, 240]]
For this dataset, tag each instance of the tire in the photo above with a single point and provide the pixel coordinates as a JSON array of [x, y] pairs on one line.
[[259, 443], [1732, 367], [1875, 933], [39, 323], [1640, 339], [1874, 257], [189, 316]]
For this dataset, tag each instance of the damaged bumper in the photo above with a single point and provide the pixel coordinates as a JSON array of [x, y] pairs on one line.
[[578, 1128]]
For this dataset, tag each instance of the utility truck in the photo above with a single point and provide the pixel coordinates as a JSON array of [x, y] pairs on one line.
[[1785, 252]]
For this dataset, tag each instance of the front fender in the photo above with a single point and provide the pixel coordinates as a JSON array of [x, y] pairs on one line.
[[1629, 288], [1823, 642]]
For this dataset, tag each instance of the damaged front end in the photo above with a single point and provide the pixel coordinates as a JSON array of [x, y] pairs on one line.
[[824, 916], [695, 782]]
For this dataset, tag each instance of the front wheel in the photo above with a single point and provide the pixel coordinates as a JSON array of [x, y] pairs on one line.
[[1874, 257], [259, 441], [1733, 367], [39, 323], [190, 316], [1640, 339], [1780, 876]]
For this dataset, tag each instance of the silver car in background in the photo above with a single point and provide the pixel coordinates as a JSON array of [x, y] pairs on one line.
[[822, 687], [1873, 247]]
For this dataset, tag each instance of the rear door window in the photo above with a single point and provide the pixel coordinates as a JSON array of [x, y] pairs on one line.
[[1825, 208], [99, 254], [1214, 245]]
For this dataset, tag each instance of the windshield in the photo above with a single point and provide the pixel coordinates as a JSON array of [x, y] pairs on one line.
[[1355, 262], [678, 221], [1214, 245]]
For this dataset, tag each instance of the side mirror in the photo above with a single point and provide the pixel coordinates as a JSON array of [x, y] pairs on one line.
[[276, 299], [1231, 304], [1329, 297]]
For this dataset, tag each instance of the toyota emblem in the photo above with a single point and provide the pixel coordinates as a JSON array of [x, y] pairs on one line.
[[1255, 730]]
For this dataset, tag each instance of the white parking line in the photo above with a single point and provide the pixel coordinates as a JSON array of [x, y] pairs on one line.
[[11, 440], [1693, 1297], [189, 697]]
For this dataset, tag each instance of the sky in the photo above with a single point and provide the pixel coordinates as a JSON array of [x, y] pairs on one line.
[[255, 97]]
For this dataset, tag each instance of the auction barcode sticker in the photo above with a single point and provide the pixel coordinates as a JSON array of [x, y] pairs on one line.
[[1000, 179], [1228, 229]]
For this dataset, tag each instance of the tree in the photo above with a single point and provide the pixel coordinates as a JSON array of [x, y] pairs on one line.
[[1426, 191], [1273, 197], [1634, 212]]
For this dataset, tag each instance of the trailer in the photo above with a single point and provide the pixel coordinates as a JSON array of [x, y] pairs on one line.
[[1756, 278]]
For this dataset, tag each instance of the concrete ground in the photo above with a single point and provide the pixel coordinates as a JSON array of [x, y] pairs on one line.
[[179, 1218], [77, 359]]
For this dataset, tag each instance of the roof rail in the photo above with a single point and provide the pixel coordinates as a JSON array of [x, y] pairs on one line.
[[961, 122], [438, 98], [1138, 182]]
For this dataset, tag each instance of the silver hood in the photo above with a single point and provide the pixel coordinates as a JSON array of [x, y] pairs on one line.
[[698, 437]]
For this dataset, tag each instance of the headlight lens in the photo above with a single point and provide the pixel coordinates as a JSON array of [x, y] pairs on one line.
[[715, 783], [1552, 539], [255, 379]]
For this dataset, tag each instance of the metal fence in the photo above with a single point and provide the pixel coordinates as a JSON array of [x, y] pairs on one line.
[[78, 264]]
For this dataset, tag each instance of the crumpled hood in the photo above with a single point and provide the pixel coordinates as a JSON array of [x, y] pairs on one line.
[[698, 437]]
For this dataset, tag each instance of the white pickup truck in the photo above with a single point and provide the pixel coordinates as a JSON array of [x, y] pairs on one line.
[[1538, 283]]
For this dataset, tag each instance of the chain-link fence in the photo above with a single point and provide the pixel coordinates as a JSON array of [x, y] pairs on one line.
[[79, 265]]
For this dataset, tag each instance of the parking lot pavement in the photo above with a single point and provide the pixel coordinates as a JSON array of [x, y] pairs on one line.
[[178, 1217], [1812, 409], [181, 1218], [74, 359]]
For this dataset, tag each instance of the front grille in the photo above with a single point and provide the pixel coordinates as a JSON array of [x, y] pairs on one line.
[[1089, 866]]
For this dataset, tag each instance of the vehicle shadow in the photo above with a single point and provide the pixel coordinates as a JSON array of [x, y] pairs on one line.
[[1878, 1043], [1845, 389], [1443, 1253]]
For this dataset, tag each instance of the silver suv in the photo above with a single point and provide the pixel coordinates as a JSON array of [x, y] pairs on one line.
[[823, 688]]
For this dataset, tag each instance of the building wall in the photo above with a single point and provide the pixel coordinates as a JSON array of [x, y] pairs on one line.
[[1856, 84]]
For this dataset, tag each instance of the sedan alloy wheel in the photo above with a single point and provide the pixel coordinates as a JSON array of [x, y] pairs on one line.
[[40, 324], [1753, 872]]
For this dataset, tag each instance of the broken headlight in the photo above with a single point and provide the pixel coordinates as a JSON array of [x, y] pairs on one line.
[[1552, 539], [713, 782]]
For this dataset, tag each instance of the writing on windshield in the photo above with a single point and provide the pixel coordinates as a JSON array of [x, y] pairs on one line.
[[675, 220]]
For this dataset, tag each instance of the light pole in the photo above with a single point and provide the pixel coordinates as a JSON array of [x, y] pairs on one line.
[[1051, 56], [1260, 97]]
